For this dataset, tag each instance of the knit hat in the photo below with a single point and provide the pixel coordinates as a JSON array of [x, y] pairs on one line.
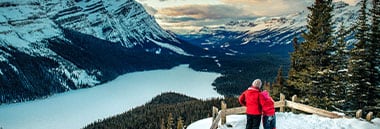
[[257, 83]]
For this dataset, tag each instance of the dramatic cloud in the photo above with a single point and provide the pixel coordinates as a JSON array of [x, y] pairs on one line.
[[270, 7], [205, 11], [190, 17], [190, 14]]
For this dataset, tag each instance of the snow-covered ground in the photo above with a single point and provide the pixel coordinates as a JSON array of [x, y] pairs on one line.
[[294, 121], [75, 109]]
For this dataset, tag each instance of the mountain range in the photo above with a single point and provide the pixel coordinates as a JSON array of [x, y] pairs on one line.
[[51, 46], [272, 35]]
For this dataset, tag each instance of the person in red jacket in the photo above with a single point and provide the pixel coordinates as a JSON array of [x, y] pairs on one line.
[[269, 118], [251, 99]]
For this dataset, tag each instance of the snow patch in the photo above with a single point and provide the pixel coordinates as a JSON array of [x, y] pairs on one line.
[[217, 62], [170, 47], [158, 51], [80, 77], [3, 59], [343, 70], [14, 40], [14, 68]]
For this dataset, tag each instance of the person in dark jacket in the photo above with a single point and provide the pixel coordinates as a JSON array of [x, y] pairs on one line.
[[251, 99]]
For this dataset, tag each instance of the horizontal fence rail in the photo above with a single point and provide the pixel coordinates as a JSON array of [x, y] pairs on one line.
[[221, 115]]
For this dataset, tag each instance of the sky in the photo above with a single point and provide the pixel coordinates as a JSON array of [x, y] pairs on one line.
[[185, 15]]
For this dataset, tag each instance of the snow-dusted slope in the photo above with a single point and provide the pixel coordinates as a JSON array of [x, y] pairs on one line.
[[49, 46], [24, 22], [122, 21], [294, 121], [264, 34]]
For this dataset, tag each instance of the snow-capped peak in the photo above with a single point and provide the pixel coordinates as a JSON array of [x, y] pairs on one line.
[[50, 46]]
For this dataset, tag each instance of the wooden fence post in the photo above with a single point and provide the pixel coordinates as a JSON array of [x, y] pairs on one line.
[[369, 116], [214, 112], [294, 99], [282, 99], [223, 113], [359, 113]]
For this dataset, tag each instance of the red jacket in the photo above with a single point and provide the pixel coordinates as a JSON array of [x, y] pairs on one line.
[[250, 99], [267, 104]]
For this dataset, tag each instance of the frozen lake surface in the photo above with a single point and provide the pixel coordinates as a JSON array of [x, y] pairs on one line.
[[75, 109]]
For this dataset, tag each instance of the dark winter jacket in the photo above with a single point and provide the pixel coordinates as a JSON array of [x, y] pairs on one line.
[[251, 99]]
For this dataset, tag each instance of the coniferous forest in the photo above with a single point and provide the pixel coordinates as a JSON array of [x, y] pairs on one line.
[[328, 72], [166, 111]]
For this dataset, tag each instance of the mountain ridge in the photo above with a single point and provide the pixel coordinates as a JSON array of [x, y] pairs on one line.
[[264, 34], [52, 46]]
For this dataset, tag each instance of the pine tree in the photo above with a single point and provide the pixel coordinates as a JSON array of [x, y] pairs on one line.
[[311, 68], [296, 66], [279, 85], [359, 66], [266, 86], [170, 122], [162, 124], [340, 63], [180, 123], [375, 53]]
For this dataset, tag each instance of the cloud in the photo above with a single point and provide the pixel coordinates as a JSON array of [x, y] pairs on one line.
[[205, 11], [178, 19], [152, 11], [270, 7]]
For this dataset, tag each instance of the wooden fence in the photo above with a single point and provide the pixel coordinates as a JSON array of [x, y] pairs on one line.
[[221, 115]]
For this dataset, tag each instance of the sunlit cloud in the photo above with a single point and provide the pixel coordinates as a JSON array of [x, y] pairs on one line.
[[205, 11], [190, 14], [196, 16], [270, 7]]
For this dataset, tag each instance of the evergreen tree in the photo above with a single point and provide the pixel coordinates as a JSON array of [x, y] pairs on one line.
[[294, 76], [162, 124], [311, 70], [180, 123], [375, 53], [359, 65], [170, 122], [279, 85], [340, 63]]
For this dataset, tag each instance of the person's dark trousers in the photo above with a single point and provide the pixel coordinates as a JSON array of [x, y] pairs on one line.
[[269, 122], [253, 121]]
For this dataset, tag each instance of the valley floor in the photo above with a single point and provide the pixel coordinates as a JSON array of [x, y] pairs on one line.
[[294, 121]]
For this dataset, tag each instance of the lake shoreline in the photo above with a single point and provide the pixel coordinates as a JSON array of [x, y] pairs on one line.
[[84, 106]]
